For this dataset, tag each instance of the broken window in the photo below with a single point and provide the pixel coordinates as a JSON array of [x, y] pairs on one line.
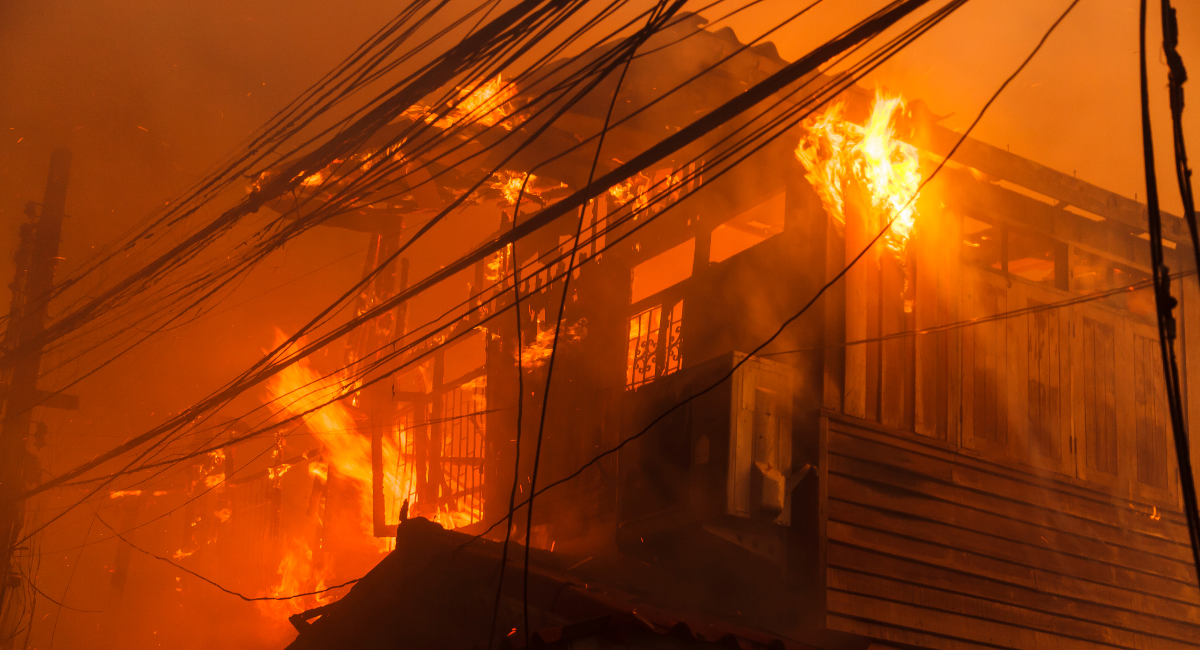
[[1032, 256], [1021, 253], [748, 229], [982, 245], [663, 271], [653, 348], [1091, 273]]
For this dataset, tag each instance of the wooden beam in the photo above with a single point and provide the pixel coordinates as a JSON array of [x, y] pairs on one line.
[[1001, 164]]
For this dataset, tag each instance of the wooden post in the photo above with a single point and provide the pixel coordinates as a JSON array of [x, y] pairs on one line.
[[32, 289]]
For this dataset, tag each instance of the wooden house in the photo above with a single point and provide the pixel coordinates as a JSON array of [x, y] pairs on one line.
[[961, 444]]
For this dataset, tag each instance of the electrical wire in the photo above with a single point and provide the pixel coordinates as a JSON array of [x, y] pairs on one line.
[[1165, 305], [820, 292]]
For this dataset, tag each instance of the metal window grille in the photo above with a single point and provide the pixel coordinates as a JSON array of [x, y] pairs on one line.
[[653, 349]]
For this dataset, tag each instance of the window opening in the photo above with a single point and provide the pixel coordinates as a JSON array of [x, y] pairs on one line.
[[653, 349], [748, 229], [663, 271]]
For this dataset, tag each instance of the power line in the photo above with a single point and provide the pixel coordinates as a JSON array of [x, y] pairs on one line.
[[1164, 302], [756, 352], [215, 583]]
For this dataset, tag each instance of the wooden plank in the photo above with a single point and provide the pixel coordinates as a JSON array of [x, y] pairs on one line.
[[982, 544], [1016, 388], [874, 361], [895, 634], [1023, 620], [1059, 549], [841, 556], [921, 549], [947, 623], [1046, 502], [1099, 337], [857, 295], [951, 299], [896, 371], [1155, 473], [1124, 457], [985, 367], [1023, 484], [836, 308], [928, 374], [1039, 178], [1189, 355]]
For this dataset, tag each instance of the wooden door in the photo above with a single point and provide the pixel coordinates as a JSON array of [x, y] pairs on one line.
[[1098, 350], [985, 364]]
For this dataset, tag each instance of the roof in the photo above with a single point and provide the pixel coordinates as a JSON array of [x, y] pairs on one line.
[[438, 587]]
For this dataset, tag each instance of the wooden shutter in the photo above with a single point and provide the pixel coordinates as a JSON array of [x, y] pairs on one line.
[[1045, 382], [1156, 471], [1097, 354], [985, 364]]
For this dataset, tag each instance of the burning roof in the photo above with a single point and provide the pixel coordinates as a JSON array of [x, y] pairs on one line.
[[438, 588]]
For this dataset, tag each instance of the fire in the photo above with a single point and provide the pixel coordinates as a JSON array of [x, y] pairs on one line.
[[495, 266], [537, 353], [834, 150], [313, 179], [635, 189], [297, 574], [117, 494], [511, 185], [346, 454], [300, 388], [486, 103]]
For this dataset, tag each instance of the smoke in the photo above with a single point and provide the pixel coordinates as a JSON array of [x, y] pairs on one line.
[[1074, 109], [149, 94]]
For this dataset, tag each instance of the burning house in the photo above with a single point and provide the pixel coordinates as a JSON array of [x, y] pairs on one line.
[[850, 381], [962, 444]]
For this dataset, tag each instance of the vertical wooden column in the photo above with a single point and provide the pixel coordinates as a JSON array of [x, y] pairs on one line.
[[381, 403], [896, 363], [862, 306], [937, 387]]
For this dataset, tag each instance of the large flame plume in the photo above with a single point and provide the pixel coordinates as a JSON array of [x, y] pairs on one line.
[[834, 150]]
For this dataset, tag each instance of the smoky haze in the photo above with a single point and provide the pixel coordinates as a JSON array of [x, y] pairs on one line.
[[149, 95]]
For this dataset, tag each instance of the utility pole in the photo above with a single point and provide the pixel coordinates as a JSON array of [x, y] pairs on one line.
[[36, 257]]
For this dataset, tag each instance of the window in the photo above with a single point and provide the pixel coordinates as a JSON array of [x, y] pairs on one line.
[[653, 348], [1020, 253], [1090, 273], [663, 271], [749, 228]]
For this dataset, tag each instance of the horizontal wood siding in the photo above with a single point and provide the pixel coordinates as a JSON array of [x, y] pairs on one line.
[[941, 549]]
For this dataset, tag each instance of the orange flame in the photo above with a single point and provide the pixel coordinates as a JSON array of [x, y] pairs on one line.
[[346, 452], [635, 189], [833, 150], [485, 103], [537, 353], [117, 494], [300, 388], [511, 184]]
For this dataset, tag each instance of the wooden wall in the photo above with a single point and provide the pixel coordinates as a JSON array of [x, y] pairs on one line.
[[936, 548], [1003, 482]]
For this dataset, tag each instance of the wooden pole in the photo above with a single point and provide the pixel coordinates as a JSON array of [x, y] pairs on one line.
[[32, 286]]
